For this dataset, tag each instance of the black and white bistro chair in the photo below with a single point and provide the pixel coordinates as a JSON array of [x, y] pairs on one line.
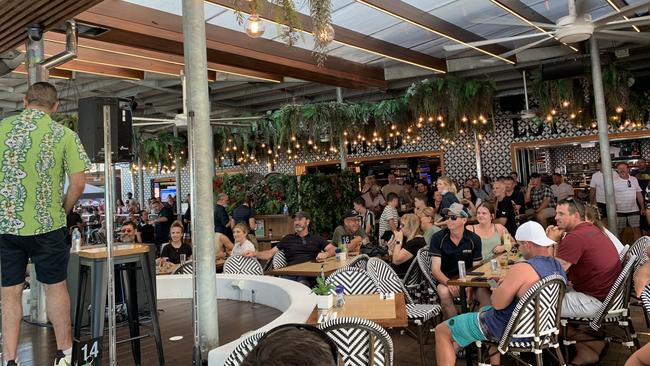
[[359, 261], [424, 263], [613, 314], [534, 325], [242, 265], [638, 249], [423, 316], [645, 298], [243, 349], [355, 281], [279, 260], [360, 342], [185, 268]]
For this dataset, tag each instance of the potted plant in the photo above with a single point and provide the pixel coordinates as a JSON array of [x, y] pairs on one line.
[[323, 291]]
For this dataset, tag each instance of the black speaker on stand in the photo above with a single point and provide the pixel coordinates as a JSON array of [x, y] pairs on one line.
[[91, 128]]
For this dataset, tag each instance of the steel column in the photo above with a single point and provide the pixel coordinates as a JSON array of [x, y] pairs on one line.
[[477, 155], [342, 152], [603, 133], [201, 162], [179, 207], [109, 202]]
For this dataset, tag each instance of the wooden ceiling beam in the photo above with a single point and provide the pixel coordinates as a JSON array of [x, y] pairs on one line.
[[143, 54], [54, 73], [523, 10], [349, 37], [141, 27], [47, 13], [424, 20]]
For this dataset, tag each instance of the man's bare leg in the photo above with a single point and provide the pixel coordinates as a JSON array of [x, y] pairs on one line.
[[12, 314], [58, 312]]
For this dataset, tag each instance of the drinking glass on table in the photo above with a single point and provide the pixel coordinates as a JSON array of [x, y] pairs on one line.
[[183, 258]]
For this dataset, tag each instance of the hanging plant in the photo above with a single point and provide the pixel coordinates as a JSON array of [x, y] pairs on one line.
[[321, 15], [159, 151], [616, 87]]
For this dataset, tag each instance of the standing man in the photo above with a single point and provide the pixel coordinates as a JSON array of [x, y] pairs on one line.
[[35, 155], [367, 218], [629, 201], [597, 191], [643, 176], [541, 198], [560, 188], [392, 186], [222, 222], [163, 223]]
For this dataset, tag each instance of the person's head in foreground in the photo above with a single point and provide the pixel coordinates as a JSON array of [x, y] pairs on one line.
[[532, 239], [569, 213], [293, 345]]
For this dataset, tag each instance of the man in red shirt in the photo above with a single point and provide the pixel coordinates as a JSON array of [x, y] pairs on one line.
[[592, 265]]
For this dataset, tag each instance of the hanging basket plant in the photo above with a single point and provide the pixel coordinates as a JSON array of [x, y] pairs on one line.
[[159, 151], [453, 105]]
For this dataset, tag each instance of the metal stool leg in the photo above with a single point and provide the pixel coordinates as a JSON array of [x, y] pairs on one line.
[[131, 297], [149, 279], [79, 310]]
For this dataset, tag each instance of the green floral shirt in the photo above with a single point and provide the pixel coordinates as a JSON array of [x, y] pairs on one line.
[[36, 153]]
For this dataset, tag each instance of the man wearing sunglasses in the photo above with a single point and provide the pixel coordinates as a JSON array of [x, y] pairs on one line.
[[629, 201], [449, 246], [592, 265]]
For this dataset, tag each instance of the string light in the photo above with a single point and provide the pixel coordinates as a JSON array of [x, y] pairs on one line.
[[619, 109], [566, 104]]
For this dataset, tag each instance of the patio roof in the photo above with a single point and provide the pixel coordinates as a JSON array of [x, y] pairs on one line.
[[380, 48]]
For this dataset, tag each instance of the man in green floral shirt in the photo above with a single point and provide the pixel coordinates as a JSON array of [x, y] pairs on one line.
[[36, 154]]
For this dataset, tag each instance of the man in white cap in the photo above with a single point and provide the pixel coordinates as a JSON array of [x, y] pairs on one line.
[[490, 322]]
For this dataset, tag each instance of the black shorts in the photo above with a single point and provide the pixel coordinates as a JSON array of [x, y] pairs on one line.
[[49, 253]]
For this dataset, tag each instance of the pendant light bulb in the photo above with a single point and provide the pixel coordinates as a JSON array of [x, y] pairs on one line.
[[254, 26], [327, 34]]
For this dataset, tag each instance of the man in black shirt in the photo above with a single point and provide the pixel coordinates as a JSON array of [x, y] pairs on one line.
[[449, 246], [515, 194], [299, 247], [244, 214], [162, 223], [222, 222], [144, 229], [505, 211]]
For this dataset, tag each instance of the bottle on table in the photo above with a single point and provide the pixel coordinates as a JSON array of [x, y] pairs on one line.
[[76, 241], [285, 210]]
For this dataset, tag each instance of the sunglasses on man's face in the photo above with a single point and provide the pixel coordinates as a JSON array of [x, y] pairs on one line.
[[453, 218], [127, 231]]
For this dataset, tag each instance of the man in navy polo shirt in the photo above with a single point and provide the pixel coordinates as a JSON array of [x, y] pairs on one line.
[[449, 246]]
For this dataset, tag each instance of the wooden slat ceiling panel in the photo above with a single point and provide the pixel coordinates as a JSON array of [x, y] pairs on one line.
[[48, 13], [140, 27]]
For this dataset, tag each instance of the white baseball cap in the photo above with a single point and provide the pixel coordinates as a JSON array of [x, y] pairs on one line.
[[534, 232]]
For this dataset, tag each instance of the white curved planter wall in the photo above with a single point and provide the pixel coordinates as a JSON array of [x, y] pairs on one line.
[[293, 299]]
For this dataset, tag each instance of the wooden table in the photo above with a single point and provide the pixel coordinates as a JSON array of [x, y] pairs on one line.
[[485, 268], [312, 268], [386, 313]]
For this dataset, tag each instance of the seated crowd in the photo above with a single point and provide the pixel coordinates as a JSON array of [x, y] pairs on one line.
[[562, 237]]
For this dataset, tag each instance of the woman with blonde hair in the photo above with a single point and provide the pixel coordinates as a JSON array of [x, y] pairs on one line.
[[447, 190], [406, 243], [242, 244], [175, 248]]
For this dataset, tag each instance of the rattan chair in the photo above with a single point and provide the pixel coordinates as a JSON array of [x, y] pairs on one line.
[[185, 268], [355, 281], [242, 265], [360, 342], [243, 349], [279, 260], [534, 324]]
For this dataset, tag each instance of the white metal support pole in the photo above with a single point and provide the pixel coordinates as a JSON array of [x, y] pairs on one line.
[[109, 201], [342, 147], [477, 155], [603, 133], [177, 161], [201, 162], [36, 73]]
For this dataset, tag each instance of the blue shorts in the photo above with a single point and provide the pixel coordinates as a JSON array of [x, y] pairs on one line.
[[466, 329]]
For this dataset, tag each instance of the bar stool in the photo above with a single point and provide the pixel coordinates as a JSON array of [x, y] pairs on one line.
[[92, 268]]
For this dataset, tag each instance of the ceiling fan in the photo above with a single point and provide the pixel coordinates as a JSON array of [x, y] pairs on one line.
[[576, 27]]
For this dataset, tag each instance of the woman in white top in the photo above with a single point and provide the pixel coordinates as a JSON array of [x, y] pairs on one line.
[[592, 216], [242, 244]]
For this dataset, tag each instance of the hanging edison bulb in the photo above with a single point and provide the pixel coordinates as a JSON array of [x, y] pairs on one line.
[[326, 35], [254, 26]]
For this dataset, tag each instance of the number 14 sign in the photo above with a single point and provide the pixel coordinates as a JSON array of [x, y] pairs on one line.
[[90, 352]]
